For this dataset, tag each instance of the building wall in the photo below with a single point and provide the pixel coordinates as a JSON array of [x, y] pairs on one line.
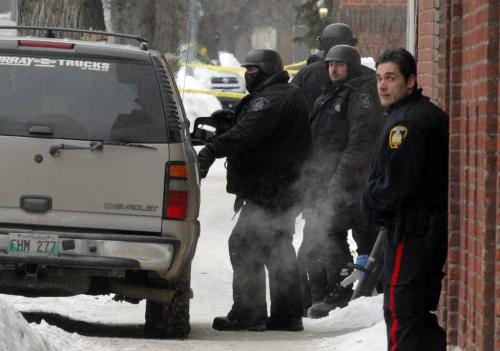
[[378, 24], [459, 68]]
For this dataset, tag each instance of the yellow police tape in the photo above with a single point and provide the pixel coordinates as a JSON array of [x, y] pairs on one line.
[[214, 93], [232, 70], [296, 64], [214, 68], [238, 69]]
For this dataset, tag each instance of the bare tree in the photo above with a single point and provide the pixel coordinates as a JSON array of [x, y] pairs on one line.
[[82, 14], [163, 22]]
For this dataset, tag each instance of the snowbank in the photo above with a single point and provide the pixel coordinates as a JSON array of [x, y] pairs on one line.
[[360, 313], [368, 62], [17, 335], [195, 105], [198, 78], [358, 327], [227, 59]]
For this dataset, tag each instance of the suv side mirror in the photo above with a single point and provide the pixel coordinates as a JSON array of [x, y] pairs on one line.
[[201, 134]]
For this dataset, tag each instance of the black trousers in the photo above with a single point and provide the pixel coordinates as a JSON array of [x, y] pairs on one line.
[[263, 239], [415, 253], [325, 251]]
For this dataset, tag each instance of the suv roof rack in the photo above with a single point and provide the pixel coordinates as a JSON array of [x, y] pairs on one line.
[[50, 32]]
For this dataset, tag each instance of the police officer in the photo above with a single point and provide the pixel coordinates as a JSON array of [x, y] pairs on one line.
[[407, 192], [313, 77], [265, 150], [345, 123]]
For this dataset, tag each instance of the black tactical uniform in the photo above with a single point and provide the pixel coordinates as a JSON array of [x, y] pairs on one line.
[[407, 192], [268, 144], [265, 150], [345, 124], [317, 57], [313, 79]]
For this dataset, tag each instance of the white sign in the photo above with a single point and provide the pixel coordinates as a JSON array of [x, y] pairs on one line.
[[52, 63]]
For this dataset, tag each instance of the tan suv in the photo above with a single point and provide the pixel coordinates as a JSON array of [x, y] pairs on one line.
[[100, 185]]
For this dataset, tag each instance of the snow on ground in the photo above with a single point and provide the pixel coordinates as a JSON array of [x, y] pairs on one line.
[[357, 341], [99, 323], [361, 313], [17, 335]]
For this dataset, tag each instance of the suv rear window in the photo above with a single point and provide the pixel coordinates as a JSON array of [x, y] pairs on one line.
[[81, 99]]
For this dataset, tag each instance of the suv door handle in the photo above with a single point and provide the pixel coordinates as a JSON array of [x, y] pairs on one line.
[[36, 203]]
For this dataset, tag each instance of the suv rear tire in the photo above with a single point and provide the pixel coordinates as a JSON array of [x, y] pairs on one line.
[[171, 319]]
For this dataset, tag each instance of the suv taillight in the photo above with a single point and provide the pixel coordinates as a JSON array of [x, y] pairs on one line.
[[176, 191]]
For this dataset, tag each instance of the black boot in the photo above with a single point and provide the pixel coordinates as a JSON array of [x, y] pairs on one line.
[[232, 324], [338, 296]]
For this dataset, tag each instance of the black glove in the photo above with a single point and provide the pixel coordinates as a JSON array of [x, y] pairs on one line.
[[206, 157], [224, 120]]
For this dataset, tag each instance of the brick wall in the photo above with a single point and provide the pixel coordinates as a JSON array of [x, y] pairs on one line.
[[464, 58], [378, 24], [427, 52]]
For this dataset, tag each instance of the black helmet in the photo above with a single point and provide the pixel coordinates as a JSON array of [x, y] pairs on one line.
[[268, 61], [347, 54], [335, 34]]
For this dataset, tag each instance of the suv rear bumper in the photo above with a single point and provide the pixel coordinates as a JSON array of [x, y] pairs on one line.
[[101, 251], [72, 261]]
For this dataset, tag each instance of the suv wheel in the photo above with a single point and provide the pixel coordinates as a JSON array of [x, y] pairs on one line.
[[171, 320]]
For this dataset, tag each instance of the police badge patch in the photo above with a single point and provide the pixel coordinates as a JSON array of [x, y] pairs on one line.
[[396, 136], [365, 101], [260, 104]]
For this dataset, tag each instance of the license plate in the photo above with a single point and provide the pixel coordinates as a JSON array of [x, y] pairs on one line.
[[33, 244]]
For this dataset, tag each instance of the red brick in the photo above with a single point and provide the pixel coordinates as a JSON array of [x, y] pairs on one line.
[[453, 272], [427, 15], [426, 29]]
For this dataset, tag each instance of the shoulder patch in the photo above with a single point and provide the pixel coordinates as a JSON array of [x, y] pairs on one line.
[[365, 101], [396, 136], [259, 104]]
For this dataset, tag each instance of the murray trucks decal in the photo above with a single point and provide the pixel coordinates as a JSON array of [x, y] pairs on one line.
[[53, 63]]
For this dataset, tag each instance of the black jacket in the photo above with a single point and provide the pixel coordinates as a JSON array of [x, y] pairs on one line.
[[313, 78], [266, 147], [345, 124], [410, 168]]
